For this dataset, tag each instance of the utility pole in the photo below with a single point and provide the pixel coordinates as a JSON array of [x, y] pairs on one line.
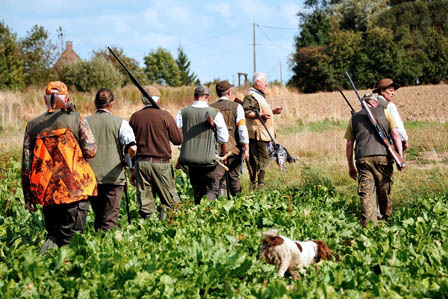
[[255, 56], [281, 80]]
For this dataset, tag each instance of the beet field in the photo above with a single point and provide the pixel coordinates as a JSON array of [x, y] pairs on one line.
[[211, 250]]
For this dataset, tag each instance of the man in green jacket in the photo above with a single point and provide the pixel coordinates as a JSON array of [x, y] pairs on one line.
[[114, 137]]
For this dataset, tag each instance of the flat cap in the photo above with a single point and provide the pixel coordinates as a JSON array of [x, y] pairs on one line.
[[222, 86], [370, 97], [154, 92], [201, 90]]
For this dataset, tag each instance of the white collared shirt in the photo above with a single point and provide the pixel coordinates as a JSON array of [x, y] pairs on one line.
[[240, 122], [392, 108], [222, 134]]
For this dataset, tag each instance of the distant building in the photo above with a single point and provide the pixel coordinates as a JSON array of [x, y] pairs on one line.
[[68, 56]]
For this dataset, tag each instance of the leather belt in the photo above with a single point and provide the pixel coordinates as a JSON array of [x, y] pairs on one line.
[[152, 160]]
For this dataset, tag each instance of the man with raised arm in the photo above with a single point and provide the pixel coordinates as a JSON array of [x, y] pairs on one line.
[[255, 99], [374, 165], [203, 128]]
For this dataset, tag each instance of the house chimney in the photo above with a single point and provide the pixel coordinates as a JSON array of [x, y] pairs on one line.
[[68, 45]]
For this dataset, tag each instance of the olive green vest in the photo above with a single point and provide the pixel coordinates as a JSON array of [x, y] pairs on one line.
[[368, 142], [107, 162], [58, 119], [228, 110], [199, 147]]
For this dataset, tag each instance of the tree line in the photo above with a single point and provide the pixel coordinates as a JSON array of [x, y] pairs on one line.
[[371, 39], [31, 61]]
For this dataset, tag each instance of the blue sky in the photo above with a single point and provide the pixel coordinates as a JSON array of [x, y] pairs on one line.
[[217, 36]]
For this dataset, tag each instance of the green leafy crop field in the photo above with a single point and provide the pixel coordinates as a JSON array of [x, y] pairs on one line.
[[211, 250]]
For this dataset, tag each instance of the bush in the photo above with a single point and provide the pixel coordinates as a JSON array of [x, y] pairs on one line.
[[93, 74]]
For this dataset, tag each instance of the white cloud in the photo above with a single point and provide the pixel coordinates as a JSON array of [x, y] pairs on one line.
[[223, 8]]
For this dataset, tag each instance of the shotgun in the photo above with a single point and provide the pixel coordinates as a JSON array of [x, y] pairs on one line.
[[401, 164], [348, 103], [128, 161], [134, 80]]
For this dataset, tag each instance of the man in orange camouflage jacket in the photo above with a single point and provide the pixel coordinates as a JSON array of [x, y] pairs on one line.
[[55, 172]]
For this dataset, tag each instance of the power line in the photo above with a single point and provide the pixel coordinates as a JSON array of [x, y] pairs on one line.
[[215, 36], [279, 28], [268, 38]]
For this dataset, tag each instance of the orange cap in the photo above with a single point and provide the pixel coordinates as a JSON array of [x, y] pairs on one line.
[[58, 85]]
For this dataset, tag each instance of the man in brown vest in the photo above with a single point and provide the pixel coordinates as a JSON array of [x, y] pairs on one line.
[[373, 162], [154, 130], [238, 142], [258, 136]]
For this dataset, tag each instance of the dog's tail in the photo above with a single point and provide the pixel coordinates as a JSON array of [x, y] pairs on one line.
[[323, 252]]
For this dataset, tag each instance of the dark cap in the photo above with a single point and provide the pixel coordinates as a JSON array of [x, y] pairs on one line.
[[384, 84], [201, 90], [222, 86]]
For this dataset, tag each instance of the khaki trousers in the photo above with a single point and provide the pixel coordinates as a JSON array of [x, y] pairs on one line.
[[155, 179], [375, 176]]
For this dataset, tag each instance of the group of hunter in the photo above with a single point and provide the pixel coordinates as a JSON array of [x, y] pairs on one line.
[[70, 161]]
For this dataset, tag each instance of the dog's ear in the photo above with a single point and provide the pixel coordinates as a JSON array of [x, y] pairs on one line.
[[271, 242], [299, 246], [323, 252]]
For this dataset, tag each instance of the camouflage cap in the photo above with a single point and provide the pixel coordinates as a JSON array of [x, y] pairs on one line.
[[370, 97], [58, 85], [201, 90]]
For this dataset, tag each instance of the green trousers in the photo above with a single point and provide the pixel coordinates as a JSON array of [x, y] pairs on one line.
[[258, 159], [375, 176], [155, 179]]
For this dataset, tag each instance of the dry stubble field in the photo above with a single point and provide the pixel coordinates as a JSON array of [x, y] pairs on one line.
[[311, 127]]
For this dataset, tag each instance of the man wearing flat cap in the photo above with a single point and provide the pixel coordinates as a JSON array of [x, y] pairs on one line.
[[374, 165], [238, 142], [55, 172], [154, 130], [200, 147], [385, 88]]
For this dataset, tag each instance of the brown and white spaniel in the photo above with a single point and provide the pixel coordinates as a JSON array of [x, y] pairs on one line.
[[290, 256]]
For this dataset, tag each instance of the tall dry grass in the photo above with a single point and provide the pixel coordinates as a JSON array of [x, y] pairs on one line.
[[311, 127]]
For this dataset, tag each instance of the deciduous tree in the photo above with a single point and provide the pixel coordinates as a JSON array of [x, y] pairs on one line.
[[11, 64], [162, 68]]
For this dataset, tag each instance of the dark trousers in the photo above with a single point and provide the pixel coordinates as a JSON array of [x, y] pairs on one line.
[[205, 181], [64, 220], [258, 159], [234, 165], [106, 206]]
